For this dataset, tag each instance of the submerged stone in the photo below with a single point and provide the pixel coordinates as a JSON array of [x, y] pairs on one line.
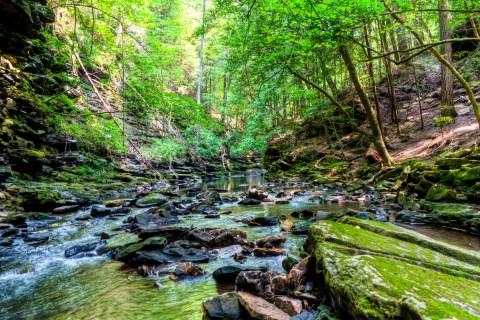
[[375, 271]]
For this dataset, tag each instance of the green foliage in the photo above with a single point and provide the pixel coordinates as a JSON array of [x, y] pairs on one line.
[[443, 121], [204, 141], [95, 170], [165, 150]]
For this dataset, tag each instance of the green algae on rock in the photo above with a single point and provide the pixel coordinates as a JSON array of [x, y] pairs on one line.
[[380, 271]]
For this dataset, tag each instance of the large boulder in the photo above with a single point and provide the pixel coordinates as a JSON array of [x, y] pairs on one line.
[[375, 271], [261, 309]]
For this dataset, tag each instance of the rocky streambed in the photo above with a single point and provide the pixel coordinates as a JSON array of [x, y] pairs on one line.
[[231, 248]]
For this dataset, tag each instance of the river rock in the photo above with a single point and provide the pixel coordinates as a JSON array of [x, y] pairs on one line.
[[289, 305], [310, 315], [115, 203], [297, 276], [250, 202], [230, 273], [77, 250], [151, 200], [36, 238], [304, 214], [166, 232], [271, 241], [154, 220], [223, 307], [265, 284], [188, 269], [65, 209], [150, 252], [100, 211], [264, 221], [268, 252], [282, 202], [256, 194], [287, 225], [374, 270], [150, 243], [290, 261], [301, 227], [261, 309]]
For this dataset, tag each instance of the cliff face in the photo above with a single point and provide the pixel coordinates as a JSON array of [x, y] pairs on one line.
[[20, 22]]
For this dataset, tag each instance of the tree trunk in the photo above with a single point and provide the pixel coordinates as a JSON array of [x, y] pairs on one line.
[[393, 40], [446, 77], [200, 68], [390, 85], [372, 119], [372, 77]]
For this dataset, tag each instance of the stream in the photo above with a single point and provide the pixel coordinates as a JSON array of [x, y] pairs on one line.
[[38, 282]]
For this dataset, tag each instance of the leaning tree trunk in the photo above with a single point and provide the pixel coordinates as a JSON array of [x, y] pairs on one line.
[[446, 77], [377, 137]]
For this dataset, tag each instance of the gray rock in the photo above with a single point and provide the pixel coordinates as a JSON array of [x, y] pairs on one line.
[[65, 209], [250, 202], [100, 211], [223, 307], [230, 273], [84, 248]]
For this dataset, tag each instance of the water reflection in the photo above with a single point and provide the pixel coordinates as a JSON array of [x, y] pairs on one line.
[[456, 238]]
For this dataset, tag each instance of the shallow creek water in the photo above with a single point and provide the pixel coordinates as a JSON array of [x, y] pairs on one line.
[[40, 283]]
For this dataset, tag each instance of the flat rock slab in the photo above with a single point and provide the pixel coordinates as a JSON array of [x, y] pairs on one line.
[[259, 308], [376, 270]]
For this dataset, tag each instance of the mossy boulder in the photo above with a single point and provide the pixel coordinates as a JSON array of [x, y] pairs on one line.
[[381, 271], [153, 199], [472, 175], [153, 242], [440, 193]]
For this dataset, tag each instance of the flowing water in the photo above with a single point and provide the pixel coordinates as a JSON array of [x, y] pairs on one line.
[[40, 283]]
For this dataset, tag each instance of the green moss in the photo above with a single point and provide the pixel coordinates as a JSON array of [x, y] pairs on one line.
[[472, 175], [153, 241], [439, 192], [35, 153], [376, 275]]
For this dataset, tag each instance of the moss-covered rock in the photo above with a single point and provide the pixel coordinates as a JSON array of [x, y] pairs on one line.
[[440, 193], [472, 175], [379, 271], [148, 243]]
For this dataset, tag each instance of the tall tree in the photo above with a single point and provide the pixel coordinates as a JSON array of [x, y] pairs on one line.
[[200, 67], [446, 77]]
